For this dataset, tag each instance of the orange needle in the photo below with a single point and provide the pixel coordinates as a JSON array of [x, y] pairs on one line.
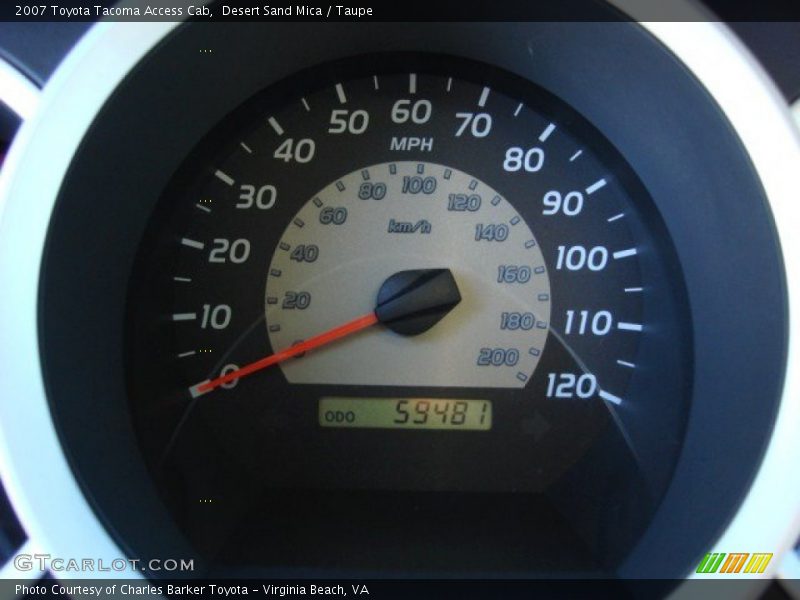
[[317, 341]]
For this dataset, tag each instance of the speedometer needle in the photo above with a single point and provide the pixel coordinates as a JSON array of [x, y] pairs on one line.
[[317, 341], [409, 303]]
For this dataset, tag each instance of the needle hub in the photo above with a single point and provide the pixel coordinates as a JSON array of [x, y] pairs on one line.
[[411, 302]]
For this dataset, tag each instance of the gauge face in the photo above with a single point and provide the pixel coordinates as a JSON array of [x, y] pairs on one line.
[[410, 215], [407, 275]]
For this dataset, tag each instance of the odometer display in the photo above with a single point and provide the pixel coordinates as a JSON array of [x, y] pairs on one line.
[[406, 413]]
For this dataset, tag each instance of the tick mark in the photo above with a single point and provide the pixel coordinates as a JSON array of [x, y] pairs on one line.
[[610, 397], [624, 253], [224, 177], [595, 186], [340, 93], [184, 316], [275, 125], [484, 97], [546, 133], [193, 243]]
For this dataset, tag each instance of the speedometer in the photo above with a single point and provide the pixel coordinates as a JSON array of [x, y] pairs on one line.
[[411, 273], [337, 300]]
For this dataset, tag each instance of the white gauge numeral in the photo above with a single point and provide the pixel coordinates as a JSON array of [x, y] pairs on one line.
[[582, 322], [224, 371], [301, 152], [568, 385], [344, 121], [575, 258], [570, 204], [216, 317], [479, 125], [263, 199], [518, 159], [419, 112], [236, 251]]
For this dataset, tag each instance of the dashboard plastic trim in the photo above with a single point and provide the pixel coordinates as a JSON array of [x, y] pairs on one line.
[[36, 473], [772, 143], [18, 92]]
